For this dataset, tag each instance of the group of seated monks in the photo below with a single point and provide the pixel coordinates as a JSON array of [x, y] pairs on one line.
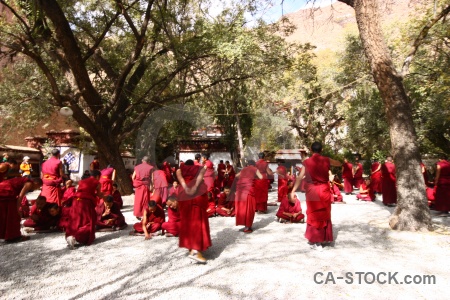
[[48, 217]]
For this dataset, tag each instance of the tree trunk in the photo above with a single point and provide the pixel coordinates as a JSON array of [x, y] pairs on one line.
[[412, 212], [110, 154], [239, 134]]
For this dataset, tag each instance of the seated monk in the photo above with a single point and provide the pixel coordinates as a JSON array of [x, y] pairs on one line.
[[211, 210], [24, 207], [366, 193], [290, 210], [109, 215], [153, 217], [172, 226], [225, 206], [39, 216], [55, 216], [117, 196], [68, 191], [336, 196]]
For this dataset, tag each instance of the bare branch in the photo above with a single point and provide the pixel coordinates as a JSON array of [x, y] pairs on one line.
[[420, 38]]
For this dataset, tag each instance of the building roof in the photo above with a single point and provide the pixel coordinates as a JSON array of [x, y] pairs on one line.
[[6, 148], [288, 154]]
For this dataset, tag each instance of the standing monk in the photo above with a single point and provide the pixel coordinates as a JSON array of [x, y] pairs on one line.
[[389, 182], [6, 167], [160, 184], [282, 182], [262, 184], [347, 175], [95, 164], [442, 182], [197, 159], [12, 192], [245, 200], [167, 171], [358, 174], [375, 176], [52, 175], [142, 183], [82, 216], [220, 174], [193, 202], [319, 229], [209, 176], [108, 175]]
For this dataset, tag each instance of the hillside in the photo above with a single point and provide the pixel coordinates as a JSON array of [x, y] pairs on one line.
[[326, 27]]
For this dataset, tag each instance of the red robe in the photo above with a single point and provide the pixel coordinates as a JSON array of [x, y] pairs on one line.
[[141, 184], [160, 185], [358, 177], [4, 173], [174, 191], [68, 193], [347, 175], [25, 207], [208, 178], [220, 175], [9, 217], [335, 192], [117, 198], [44, 219], [261, 190], [157, 217], [291, 208], [82, 218], [229, 176], [389, 183], [282, 182], [52, 180], [173, 223], [115, 213], [211, 209], [106, 183], [375, 178], [168, 172], [223, 202], [194, 223], [245, 202], [370, 196], [442, 193], [319, 228]]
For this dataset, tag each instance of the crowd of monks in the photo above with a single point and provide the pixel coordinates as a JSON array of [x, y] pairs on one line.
[[194, 192]]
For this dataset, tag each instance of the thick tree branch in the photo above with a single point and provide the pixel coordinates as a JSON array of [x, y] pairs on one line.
[[420, 39], [348, 2]]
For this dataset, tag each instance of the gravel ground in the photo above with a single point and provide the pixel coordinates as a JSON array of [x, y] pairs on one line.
[[274, 262]]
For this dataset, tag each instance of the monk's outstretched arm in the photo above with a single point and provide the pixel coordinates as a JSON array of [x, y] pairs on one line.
[[336, 163], [298, 180], [26, 187], [438, 174], [133, 177]]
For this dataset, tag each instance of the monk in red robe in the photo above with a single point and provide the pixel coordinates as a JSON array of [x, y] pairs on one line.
[[245, 202], [68, 192], [109, 215], [167, 171], [108, 175], [347, 175], [40, 218], [229, 174], [52, 176], [193, 202], [442, 186], [12, 192], [117, 196], [366, 192], [82, 218], [375, 177], [261, 191], [197, 159], [160, 184], [141, 177], [336, 196], [174, 189], [95, 164], [151, 222], [319, 229], [6, 167], [389, 182], [282, 182], [24, 207], [225, 204], [172, 226], [358, 174], [55, 213], [209, 176], [290, 210], [220, 174], [211, 209]]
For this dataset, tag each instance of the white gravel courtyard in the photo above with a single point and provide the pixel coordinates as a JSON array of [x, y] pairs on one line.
[[274, 262]]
